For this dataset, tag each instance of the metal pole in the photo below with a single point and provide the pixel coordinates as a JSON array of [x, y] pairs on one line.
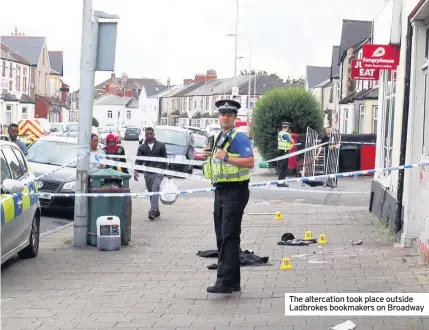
[[236, 41], [250, 87], [85, 122]]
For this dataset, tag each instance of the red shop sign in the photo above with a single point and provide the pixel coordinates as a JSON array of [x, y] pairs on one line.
[[383, 57], [357, 72]]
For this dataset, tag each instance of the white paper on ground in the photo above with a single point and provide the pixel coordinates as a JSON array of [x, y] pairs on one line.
[[348, 325]]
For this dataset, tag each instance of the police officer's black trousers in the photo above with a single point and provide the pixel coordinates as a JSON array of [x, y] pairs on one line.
[[283, 166], [229, 205]]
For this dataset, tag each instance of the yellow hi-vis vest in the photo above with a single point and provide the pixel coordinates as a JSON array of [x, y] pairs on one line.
[[218, 171], [283, 144]]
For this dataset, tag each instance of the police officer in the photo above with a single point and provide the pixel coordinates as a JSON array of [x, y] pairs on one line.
[[228, 164], [285, 143]]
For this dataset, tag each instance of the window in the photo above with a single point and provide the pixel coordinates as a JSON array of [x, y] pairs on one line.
[[346, 121], [8, 115], [24, 114], [10, 85], [15, 167], [128, 114], [59, 153], [109, 114], [10, 70], [361, 119], [3, 69], [374, 118], [18, 78], [24, 80], [425, 143], [171, 136], [389, 81], [21, 159], [5, 172]]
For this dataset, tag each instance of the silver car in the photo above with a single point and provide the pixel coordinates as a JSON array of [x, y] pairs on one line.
[[20, 215]]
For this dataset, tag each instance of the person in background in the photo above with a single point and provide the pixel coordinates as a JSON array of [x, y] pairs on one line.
[[113, 148], [152, 148], [285, 143], [326, 147], [95, 149], [13, 131]]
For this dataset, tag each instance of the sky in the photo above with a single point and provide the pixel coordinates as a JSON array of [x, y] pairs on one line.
[[177, 39]]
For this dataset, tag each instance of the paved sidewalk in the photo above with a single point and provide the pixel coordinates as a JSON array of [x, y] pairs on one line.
[[159, 282]]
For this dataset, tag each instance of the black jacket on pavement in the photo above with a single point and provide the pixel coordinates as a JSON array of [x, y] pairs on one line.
[[158, 150]]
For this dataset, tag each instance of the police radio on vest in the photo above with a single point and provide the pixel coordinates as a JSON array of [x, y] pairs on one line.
[[364, 72]]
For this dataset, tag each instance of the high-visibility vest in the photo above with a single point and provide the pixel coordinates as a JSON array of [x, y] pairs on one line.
[[219, 171], [283, 144]]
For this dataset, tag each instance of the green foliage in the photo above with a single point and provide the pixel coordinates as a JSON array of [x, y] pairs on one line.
[[293, 104], [95, 122]]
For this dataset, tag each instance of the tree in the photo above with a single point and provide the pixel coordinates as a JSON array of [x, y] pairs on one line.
[[293, 104], [95, 122]]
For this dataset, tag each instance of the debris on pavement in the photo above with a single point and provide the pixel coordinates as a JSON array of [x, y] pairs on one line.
[[357, 242], [348, 325], [289, 239], [247, 258]]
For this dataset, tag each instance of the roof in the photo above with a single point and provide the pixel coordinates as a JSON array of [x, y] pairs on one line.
[[132, 83], [111, 99], [317, 74], [133, 103], [352, 33], [29, 48], [326, 83], [188, 88], [224, 86], [152, 90], [335, 67], [10, 55], [167, 92], [368, 94], [9, 97], [26, 99], [51, 100], [56, 61]]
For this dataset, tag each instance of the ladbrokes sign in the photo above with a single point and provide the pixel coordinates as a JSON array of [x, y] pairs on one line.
[[382, 57]]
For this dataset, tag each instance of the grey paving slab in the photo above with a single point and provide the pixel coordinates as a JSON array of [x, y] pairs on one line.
[[158, 282]]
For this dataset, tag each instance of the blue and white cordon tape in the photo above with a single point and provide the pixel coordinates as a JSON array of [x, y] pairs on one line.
[[251, 185]]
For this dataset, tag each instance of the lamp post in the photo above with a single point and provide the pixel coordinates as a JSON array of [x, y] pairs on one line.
[[250, 78]]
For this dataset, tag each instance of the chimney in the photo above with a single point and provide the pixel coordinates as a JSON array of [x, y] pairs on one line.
[[168, 83], [211, 75], [112, 75], [187, 81]]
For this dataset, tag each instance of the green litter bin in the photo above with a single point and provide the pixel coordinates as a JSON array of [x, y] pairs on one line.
[[112, 182]]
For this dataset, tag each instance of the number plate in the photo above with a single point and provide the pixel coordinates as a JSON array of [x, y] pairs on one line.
[[45, 196]]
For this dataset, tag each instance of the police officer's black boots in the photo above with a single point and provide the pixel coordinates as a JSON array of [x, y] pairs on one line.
[[218, 288]]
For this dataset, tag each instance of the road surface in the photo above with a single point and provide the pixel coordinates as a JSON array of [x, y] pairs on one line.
[[350, 191]]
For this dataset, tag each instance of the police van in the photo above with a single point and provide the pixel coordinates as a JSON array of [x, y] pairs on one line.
[[20, 214]]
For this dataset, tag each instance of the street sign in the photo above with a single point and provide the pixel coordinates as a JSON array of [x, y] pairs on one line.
[[357, 72], [384, 57]]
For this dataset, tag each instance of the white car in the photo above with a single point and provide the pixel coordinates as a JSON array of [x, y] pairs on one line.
[[212, 129], [20, 215]]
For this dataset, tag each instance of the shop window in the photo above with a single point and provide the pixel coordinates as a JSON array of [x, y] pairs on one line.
[[361, 119], [389, 81], [374, 118]]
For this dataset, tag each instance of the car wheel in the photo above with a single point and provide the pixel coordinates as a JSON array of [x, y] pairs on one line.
[[32, 249]]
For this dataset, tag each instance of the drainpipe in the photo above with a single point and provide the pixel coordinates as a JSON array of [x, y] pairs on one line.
[[404, 130]]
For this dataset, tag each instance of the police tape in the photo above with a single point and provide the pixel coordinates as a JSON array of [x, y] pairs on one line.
[[296, 153], [251, 185], [360, 143], [103, 161], [176, 159]]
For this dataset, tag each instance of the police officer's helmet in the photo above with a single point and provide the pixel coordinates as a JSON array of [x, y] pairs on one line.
[[227, 106]]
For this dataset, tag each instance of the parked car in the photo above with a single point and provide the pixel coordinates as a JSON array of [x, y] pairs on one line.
[[62, 150], [212, 129], [200, 143], [196, 130], [132, 134], [20, 215], [4, 137], [102, 132], [179, 143]]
